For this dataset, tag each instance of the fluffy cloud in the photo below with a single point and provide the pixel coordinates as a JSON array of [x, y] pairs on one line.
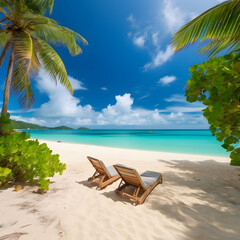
[[62, 108], [139, 41], [32, 120], [61, 103], [160, 58], [167, 80], [174, 17]]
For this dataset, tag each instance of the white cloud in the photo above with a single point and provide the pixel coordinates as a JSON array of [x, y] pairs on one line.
[[32, 120], [76, 84], [123, 105], [160, 58], [139, 41], [23, 110], [190, 109], [174, 17], [155, 39], [61, 103], [104, 88], [181, 105], [122, 113], [144, 96], [62, 108], [176, 98], [167, 80], [133, 21]]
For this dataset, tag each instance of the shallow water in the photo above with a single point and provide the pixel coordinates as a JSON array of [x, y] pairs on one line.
[[177, 141]]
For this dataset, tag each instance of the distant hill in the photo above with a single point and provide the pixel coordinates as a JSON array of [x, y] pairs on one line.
[[62, 128], [83, 128], [23, 125]]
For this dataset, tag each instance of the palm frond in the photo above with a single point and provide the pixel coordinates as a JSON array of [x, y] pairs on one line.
[[6, 13], [219, 22], [56, 34], [21, 85], [40, 6], [52, 63], [4, 37], [26, 65], [218, 45], [48, 30], [24, 51], [3, 3]]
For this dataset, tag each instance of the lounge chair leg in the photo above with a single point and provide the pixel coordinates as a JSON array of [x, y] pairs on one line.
[[103, 184], [137, 191], [94, 176], [121, 186]]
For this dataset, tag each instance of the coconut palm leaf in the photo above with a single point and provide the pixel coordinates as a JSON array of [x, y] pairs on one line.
[[4, 37], [39, 6], [21, 85], [51, 32], [218, 45], [3, 3], [220, 25], [26, 65], [24, 51], [52, 63]]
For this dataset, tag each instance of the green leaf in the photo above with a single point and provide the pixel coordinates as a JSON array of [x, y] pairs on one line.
[[27, 160], [218, 79], [219, 27]]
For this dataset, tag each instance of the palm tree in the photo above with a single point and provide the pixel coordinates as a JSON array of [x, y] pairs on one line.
[[26, 32], [220, 26]]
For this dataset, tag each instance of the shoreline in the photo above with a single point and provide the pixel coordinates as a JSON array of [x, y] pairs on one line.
[[135, 149]]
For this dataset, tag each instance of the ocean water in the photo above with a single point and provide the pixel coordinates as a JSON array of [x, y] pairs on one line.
[[177, 141]]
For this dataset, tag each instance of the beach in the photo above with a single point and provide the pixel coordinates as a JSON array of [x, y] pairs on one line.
[[199, 199]]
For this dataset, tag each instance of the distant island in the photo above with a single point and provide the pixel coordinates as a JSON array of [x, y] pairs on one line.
[[24, 125], [83, 128], [62, 128]]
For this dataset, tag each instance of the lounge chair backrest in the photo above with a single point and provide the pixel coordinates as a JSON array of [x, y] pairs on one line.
[[130, 176], [99, 166]]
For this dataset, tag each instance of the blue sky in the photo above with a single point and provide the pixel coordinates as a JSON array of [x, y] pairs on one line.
[[128, 76]]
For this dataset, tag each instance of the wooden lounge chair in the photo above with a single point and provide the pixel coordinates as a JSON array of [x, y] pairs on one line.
[[143, 183], [108, 175]]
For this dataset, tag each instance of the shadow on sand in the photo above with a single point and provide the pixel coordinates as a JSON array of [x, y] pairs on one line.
[[88, 184], [203, 196]]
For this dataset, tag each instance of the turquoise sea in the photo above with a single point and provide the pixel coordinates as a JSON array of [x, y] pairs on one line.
[[177, 141]]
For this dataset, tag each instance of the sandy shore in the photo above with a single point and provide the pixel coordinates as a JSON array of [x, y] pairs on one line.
[[199, 199]]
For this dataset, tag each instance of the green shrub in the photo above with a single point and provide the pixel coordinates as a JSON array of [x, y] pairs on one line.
[[216, 83], [27, 160], [5, 124], [5, 175]]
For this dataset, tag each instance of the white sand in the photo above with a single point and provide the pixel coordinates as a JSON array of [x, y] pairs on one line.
[[199, 199]]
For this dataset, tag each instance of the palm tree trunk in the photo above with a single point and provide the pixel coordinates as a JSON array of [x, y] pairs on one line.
[[8, 84], [4, 52]]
